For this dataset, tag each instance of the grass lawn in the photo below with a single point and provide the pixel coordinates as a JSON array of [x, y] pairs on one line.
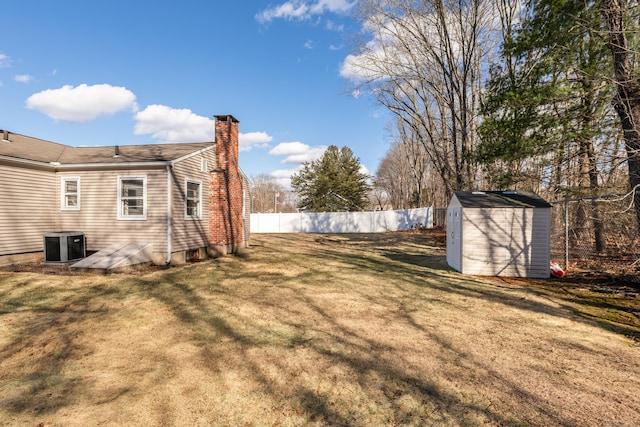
[[316, 330]]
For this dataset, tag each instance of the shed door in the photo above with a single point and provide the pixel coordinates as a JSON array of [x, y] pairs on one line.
[[454, 241]]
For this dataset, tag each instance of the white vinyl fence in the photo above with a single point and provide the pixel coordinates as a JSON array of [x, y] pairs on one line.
[[342, 222]]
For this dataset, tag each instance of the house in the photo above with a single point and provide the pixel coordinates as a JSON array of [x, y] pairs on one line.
[[499, 233], [186, 200]]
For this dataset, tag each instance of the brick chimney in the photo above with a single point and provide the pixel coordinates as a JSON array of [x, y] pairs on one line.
[[226, 141], [225, 218]]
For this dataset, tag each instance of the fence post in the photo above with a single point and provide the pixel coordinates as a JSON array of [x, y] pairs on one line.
[[373, 221]]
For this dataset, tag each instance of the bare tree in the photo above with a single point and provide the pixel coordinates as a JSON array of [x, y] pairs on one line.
[[394, 178], [425, 65], [405, 173], [267, 194], [621, 19]]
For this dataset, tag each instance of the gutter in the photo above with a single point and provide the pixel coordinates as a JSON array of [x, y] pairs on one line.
[[119, 165], [86, 166], [27, 162]]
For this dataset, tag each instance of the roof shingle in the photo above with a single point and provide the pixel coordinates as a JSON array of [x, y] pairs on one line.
[[34, 149], [501, 199]]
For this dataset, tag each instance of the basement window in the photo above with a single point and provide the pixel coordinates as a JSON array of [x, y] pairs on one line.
[[193, 200], [132, 197], [70, 193]]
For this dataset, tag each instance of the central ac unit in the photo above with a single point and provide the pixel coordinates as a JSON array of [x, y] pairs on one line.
[[64, 246]]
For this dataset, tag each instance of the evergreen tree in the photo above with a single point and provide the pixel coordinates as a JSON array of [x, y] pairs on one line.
[[547, 102], [621, 19], [333, 183], [548, 107]]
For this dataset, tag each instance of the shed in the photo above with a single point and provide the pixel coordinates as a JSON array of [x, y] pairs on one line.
[[499, 233]]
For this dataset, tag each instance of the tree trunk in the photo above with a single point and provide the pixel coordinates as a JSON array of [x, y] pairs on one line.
[[627, 99]]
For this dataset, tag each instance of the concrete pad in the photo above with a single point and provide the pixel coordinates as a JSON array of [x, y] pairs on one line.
[[117, 255]]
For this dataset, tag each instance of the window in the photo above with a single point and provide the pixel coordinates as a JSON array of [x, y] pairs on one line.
[[132, 197], [204, 167], [193, 202], [70, 193]]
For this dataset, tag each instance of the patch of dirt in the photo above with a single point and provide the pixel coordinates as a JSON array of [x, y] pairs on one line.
[[66, 270]]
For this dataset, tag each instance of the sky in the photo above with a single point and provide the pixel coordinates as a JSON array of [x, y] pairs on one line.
[[124, 72]]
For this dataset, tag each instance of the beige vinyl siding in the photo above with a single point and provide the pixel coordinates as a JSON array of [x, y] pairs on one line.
[[27, 208], [189, 233], [98, 215], [506, 242]]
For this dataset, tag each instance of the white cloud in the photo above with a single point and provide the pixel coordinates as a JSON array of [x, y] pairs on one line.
[[302, 10], [297, 152], [287, 148], [387, 53], [22, 78], [283, 176], [173, 125], [308, 44], [334, 6], [332, 26], [253, 139], [82, 103], [288, 10], [5, 61], [364, 67]]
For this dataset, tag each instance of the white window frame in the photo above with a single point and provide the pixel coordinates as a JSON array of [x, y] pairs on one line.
[[188, 181], [63, 193], [120, 199], [204, 165]]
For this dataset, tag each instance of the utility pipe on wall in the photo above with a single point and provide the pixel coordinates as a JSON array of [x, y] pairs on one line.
[[169, 208]]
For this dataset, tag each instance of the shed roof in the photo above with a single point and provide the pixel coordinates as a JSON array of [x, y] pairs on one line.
[[500, 199], [28, 148]]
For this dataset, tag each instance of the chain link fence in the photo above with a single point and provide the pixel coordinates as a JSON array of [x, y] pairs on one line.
[[597, 235], [440, 217]]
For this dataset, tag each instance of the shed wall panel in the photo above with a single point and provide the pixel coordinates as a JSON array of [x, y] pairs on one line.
[[506, 242]]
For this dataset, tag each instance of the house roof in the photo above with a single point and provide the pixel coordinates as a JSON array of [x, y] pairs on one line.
[[500, 199], [21, 147]]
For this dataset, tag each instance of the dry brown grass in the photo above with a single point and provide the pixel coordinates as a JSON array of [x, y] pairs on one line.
[[357, 330]]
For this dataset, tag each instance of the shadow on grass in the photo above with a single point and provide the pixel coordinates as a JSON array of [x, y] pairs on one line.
[[211, 303], [611, 312], [433, 262], [37, 360], [211, 322]]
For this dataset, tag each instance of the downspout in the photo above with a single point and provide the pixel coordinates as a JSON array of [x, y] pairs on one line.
[[169, 208]]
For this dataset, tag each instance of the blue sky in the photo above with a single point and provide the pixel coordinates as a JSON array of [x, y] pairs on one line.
[[113, 72]]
